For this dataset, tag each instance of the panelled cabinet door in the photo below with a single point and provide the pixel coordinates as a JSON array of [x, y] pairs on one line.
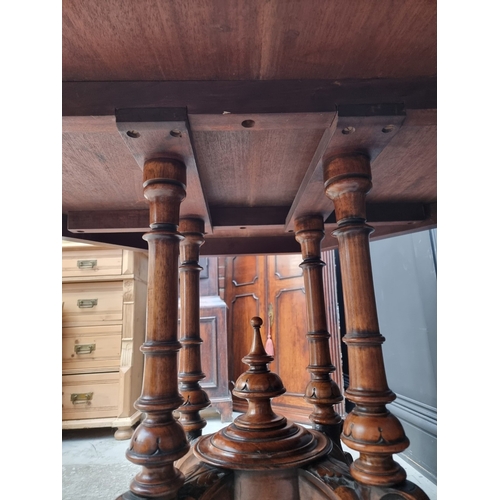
[[288, 328], [245, 297], [271, 287]]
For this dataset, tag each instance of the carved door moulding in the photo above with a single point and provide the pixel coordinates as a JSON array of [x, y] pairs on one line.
[[279, 298]]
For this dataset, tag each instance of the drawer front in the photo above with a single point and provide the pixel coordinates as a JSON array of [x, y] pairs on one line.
[[89, 349], [90, 396], [91, 263], [92, 303]]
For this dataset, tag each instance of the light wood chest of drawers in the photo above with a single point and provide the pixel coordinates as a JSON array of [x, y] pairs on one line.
[[104, 293]]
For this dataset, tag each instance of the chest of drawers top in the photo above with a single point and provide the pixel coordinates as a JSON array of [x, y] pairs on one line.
[[82, 263]]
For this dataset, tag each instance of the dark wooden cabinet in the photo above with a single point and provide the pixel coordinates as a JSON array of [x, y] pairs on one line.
[[272, 287], [213, 332]]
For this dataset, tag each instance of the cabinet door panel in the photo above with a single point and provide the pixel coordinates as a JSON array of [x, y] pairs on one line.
[[291, 343], [287, 266], [245, 297], [213, 327], [245, 270], [244, 308], [288, 330], [272, 287]]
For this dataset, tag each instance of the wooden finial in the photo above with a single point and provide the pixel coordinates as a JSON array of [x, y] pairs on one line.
[[260, 432], [257, 357]]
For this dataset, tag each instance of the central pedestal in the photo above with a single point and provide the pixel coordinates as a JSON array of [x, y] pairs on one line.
[[261, 440]]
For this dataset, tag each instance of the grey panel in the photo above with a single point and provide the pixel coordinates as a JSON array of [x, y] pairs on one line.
[[404, 273], [420, 424]]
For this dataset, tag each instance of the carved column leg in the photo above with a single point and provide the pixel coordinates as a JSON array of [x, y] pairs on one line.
[[321, 392], [190, 374], [160, 440], [370, 428]]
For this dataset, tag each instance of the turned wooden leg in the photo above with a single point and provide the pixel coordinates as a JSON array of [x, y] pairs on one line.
[[370, 428], [160, 440], [190, 374], [321, 392]]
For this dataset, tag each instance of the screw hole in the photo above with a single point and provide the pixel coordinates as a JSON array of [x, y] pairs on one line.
[[247, 123], [348, 130], [133, 133], [176, 133], [388, 128], [242, 227], [80, 231]]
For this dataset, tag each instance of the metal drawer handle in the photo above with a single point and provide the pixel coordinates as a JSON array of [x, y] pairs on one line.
[[86, 303], [82, 398], [84, 348], [86, 264]]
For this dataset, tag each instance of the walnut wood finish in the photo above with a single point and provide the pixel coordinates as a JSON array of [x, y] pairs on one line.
[[113, 221], [260, 439], [258, 40], [259, 80], [321, 392], [356, 127], [257, 285], [148, 132], [324, 479], [270, 286], [330, 479], [370, 428], [190, 369], [231, 187], [160, 440], [262, 456], [91, 98]]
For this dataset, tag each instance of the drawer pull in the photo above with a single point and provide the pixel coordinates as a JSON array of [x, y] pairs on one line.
[[84, 348], [82, 397], [86, 303], [86, 264]]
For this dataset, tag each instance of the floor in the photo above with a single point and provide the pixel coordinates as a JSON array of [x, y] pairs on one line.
[[94, 466]]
